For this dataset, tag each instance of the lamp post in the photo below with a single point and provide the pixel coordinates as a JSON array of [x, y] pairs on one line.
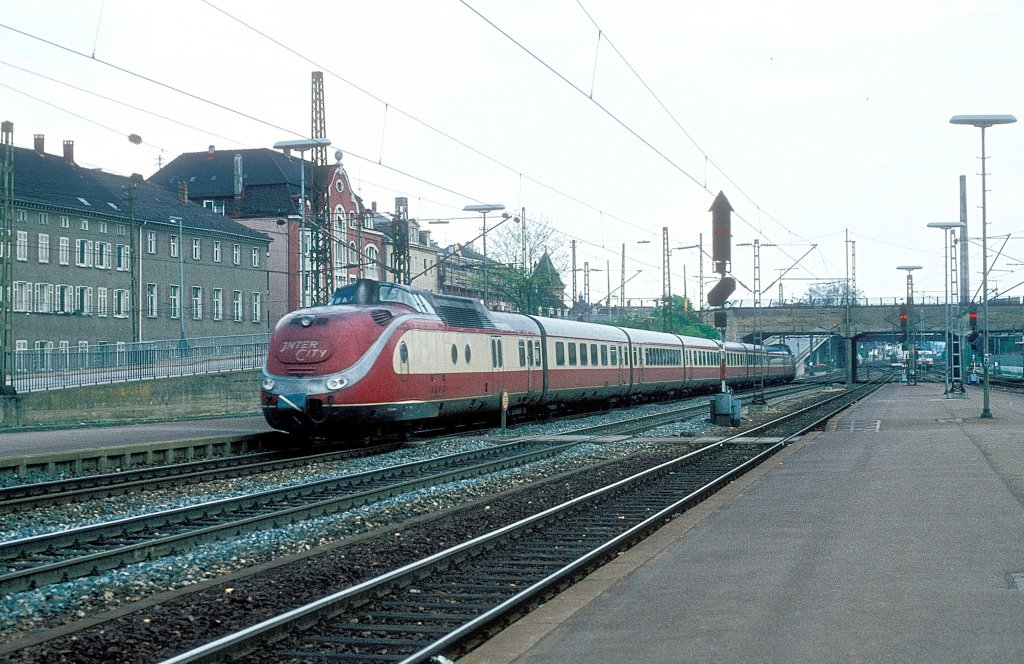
[[911, 354], [484, 208], [983, 122], [182, 343], [950, 226], [301, 146]]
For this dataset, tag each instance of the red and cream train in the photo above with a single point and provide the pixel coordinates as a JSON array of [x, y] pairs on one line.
[[385, 353]]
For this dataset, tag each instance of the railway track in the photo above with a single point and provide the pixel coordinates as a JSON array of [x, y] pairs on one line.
[[427, 608], [97, 486], [51, 558]]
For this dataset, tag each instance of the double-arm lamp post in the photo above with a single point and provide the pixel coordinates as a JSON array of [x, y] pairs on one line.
[[983, 122], [301, 146], [484, 208]]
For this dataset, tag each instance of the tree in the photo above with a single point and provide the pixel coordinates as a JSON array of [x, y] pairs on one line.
[[506, 248], [830, 294]]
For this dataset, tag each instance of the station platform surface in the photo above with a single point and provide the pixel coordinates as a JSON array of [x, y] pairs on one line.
[[18, 442], [897, 535]]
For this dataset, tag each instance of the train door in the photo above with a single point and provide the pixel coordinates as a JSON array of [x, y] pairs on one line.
[[530, 364], [498, 365]]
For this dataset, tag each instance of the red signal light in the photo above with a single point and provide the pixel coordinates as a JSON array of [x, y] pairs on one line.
[[903, 317]]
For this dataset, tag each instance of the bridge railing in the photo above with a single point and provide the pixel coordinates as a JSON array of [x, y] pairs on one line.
[[60, 368]]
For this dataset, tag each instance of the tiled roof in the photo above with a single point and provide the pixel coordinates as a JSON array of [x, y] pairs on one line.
[[272, 181], [50, 181]]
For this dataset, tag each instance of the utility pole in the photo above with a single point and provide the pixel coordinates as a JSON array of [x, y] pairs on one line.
[[622, 286], [666, 283], [321, 262], [6, 287], [573, 245]]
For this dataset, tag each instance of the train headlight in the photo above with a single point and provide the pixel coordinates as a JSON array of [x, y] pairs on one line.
[[267, 383], [336, 383]]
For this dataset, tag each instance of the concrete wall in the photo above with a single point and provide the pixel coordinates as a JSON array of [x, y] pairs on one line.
[[212, 394]]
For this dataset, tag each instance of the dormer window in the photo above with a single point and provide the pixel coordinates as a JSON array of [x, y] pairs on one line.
[[83, 201]]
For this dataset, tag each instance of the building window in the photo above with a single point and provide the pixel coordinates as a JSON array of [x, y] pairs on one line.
[[120, 303], [371, 261], [101, 301], [123, 262], [64, 303], [236, 305], [44, 248], [103, 255], [174, 246], [216, 251], [197, 303], [23, 215], [151, 300], [175, 301], [64, 251], [256, 309], [236, 254], [351, 219], [44, 298], [65, 222], [21, 247], [197, 249], [103, 227], [255, 256], [218, 304], [83, 224], [44, 219], [217, 207], [83, 305], [83, 253], [150, 242], [22, 296], [121, 230]]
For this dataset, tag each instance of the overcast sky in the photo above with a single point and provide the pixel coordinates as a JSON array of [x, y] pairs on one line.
[[814, 118]]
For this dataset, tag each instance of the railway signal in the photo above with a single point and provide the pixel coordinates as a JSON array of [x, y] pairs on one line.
[[903, 318]]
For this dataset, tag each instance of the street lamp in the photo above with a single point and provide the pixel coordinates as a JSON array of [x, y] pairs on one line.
[[911, 354], [301, 146], [950, 226], [182, 343], [484, 208], [983, 122]]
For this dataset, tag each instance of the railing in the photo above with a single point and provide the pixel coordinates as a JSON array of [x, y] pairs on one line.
[[54, 369]]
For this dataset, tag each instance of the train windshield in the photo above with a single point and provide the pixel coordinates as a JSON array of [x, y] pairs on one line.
[[393, 293], [367, 291]]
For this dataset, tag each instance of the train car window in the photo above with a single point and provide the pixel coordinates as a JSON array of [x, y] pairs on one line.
[[494, 353], [501, 355], [583, 355], [455, 354], [593, 354], [604, 355], [572, 354], [468, 354], [560, 353], [403, 353], [522, 353], [536, 353], [614, 356]]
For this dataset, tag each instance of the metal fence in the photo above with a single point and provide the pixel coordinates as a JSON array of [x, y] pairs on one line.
[[54, 369]]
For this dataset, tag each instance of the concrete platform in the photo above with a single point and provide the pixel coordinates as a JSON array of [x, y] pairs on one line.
[[896, 536]]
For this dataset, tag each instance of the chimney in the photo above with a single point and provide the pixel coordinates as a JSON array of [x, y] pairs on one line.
[[39, 141], [210, 151], [183, 191], [69, 152], [373, 206], [137, 177], [238, 175]]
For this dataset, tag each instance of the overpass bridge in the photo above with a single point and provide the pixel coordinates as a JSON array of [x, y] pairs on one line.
[[1006, 319], [846, 327]]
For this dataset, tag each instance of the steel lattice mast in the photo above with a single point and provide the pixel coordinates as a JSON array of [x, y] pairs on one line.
[[321, 263]]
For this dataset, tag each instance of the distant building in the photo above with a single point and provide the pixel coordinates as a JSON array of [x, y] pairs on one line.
[[260, 188], [549, 289], [98, 258]]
